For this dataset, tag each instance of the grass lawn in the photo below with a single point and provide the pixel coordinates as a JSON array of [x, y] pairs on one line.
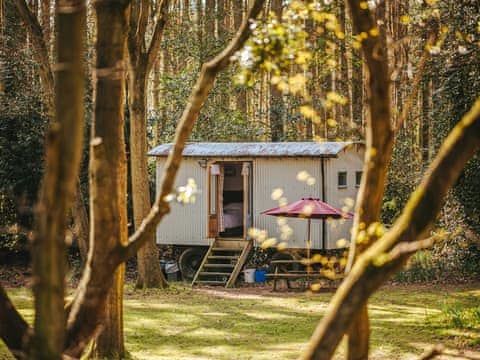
[[252, 323]]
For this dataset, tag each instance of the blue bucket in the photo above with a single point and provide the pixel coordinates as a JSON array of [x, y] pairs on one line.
[[260, 276]]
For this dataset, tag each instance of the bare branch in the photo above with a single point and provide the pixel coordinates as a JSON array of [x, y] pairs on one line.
[[198, 96], [162, 18]]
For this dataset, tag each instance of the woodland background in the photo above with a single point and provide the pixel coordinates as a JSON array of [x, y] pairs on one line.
[[259, 111], [417, 77]]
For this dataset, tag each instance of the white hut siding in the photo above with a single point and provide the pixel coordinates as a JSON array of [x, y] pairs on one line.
[[272, 173], [185, 224], [350, 161]]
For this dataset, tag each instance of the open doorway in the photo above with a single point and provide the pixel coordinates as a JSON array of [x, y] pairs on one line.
[[231, 199]]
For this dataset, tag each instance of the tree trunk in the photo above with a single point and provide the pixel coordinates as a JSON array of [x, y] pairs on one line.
[[238, 13], [46, 26], [110, 343], [276, 105], [344, 113], [80, 223], [142, 60], [379, 146], [108, 172], [63, 155], [149, 272], [209, 22], [157, 95]]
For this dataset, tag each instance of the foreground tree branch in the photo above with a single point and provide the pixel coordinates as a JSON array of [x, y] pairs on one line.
[[374, 266]]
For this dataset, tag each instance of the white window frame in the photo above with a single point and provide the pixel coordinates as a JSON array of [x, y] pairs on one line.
[[342, 186], [357, 183]]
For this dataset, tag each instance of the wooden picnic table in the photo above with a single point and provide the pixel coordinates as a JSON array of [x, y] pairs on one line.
[[282, 272]]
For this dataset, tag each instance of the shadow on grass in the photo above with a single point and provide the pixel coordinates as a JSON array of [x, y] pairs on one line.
[[224, 325], [220, 328]]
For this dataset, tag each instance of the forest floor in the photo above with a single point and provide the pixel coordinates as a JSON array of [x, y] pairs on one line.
[[254, 323]]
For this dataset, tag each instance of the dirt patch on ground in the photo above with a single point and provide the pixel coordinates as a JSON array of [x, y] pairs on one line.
[[255, 291], [246, 291]]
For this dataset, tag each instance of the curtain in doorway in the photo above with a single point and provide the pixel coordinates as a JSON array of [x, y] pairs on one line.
[[221, 180]]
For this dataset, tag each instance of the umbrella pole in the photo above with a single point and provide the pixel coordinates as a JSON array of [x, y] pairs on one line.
[[308, 253]]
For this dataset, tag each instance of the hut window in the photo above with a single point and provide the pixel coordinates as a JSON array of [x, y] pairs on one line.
[[342, 179], [358, 178]]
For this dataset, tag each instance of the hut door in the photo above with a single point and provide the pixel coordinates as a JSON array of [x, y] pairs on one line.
[[213, 200], [247, 197]]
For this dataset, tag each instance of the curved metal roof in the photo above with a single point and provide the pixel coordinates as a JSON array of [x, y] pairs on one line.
[[257, 149]]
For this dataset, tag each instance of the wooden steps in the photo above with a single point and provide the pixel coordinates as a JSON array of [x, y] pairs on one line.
[[210, 282], [212, 273], [219, 265], [223, 257], [223, 262]]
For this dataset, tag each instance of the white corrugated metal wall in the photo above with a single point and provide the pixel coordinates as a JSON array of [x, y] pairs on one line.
[[349, 160], [186, 224], [272, 173]]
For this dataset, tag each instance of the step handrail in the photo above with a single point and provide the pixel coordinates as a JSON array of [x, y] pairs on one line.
[[240, 262], [205, 258]]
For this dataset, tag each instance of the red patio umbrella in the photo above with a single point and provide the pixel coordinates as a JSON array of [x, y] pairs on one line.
[[308, 208]]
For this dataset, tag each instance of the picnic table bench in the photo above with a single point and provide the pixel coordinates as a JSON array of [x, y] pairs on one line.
[[283, 272]]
